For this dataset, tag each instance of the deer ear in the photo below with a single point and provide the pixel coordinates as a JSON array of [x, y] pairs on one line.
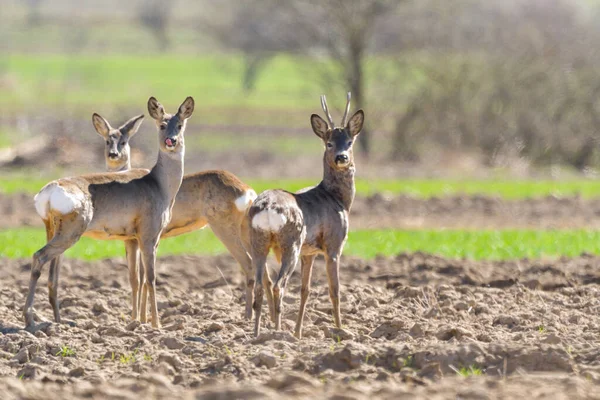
[[355, 124], [186, 108], [102, 126], [155, 109], [130, 127], [319, 126]]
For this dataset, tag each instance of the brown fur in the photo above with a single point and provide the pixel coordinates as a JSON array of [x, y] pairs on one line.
[[313, 221], [133, 205], [204, 198]]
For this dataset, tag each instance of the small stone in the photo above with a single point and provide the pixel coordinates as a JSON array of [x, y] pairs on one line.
[[112, 331], [409, 292], [337, 334], [89, 325], [175, 326], [40, 334], [97, 339], [139, 368], [382, 376], [158, 379], [551, 339], [431, 371], [22, 356], [170, 359], [100, 307], [165, 369], [283, 336], [388, 330], [77, 372], [416, 330], [172, 343], [132, 326], [214, 327], [265, 358], [461, 306], [29, 372]]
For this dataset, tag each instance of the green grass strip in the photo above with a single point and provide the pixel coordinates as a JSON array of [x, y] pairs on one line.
[[32, 183], [479, 245]]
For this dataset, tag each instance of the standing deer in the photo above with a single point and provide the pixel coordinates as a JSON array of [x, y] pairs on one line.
[[130, 205], [215, 198], [304, 224]]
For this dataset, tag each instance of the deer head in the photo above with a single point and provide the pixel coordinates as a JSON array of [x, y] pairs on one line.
[[117, 151], [171, 127], [338, 140]]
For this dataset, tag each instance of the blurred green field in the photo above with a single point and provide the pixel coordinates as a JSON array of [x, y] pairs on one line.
[[30, 182], [478, 245], [83, 82]]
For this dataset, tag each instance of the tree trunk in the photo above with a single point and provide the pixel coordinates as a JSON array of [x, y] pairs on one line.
[[253, 64], [355, 80]]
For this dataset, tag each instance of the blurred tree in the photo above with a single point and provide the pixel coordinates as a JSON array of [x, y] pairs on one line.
[[259, 30], [344, 30], [33, 14], [155, 15], [349, 32], [508, 79]]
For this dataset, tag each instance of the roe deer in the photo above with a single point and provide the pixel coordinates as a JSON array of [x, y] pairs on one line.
[[214, 198], [307, 223], [129, 205]]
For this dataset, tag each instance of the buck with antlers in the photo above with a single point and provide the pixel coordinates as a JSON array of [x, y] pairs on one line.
[[214, 198], [131, 205], [307, 223]]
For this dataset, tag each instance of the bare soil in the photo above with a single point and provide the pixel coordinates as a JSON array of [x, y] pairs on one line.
[[405, 212], [410, 322]]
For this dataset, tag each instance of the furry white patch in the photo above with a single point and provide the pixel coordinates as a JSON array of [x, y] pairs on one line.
[[244, 201], [269, 220], [41, 200], [55, 197]]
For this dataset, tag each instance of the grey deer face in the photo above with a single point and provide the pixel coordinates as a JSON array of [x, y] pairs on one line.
[[338, 140], [171, 127], [116, 149]]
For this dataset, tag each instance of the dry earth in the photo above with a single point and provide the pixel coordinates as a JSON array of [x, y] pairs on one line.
[[530, 327], [404, 212]]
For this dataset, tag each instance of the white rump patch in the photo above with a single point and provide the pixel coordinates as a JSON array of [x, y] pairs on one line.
[[269, 220], [55, 197], [245, 200]]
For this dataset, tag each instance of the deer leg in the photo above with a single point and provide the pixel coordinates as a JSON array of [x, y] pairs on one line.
[[53, 276], [289, 259], [260, 265], [142, 279], [131, 251], [230, 237], [67, 232], [306, 270], [149, 261], [333, 271]]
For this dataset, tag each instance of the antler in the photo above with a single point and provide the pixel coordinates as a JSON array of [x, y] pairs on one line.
[[347, 109], [326, 110]]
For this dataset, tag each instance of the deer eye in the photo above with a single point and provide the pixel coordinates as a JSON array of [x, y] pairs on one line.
[[108, 142], [163, 127], [329, 145], [350, 143]]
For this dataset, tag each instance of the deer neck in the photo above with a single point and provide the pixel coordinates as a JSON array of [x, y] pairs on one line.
[[168, 172], [118, 168], [340, 183]]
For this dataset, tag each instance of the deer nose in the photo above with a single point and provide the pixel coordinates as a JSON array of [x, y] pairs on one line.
[[171, 141], [341, 159], [113, 154]]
